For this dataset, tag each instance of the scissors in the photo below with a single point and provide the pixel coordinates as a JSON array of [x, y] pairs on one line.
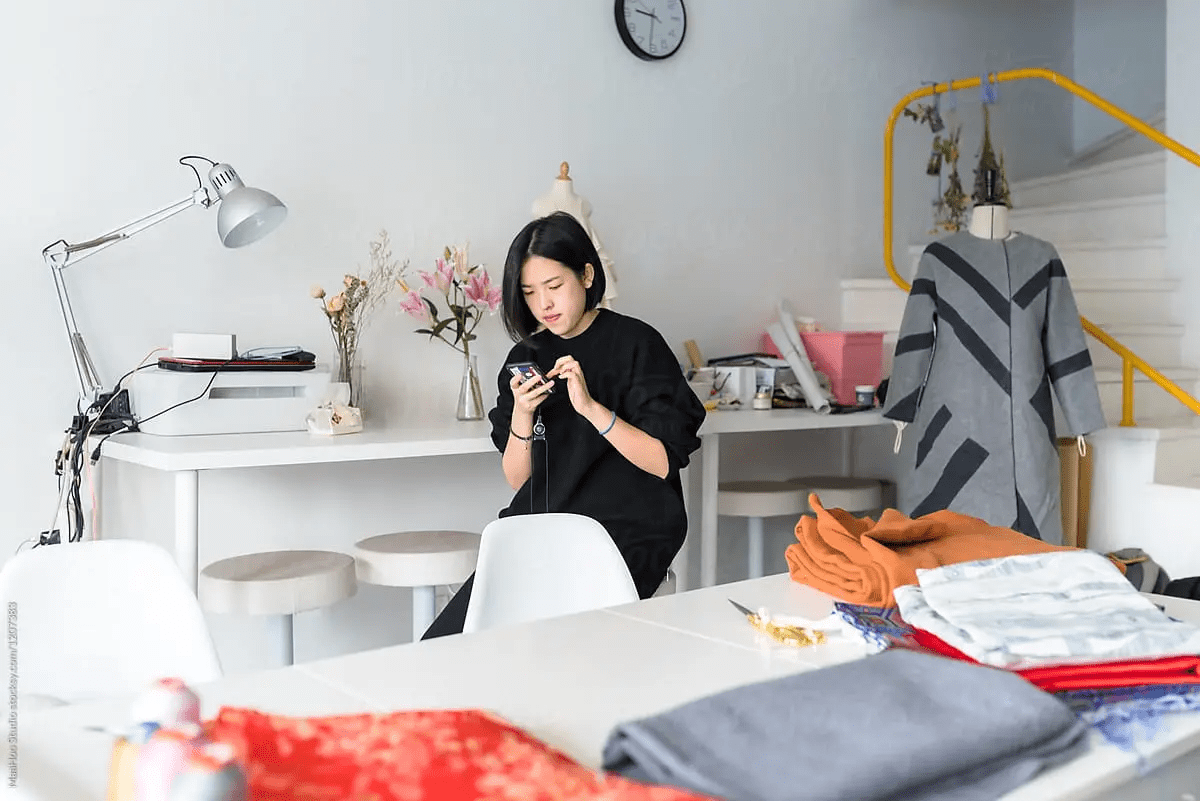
[[787, 635]]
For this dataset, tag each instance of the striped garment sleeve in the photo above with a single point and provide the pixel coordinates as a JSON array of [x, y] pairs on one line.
[[914, 345], [1068, 361]]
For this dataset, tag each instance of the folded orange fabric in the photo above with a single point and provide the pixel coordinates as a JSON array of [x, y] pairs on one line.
[[859, 560]]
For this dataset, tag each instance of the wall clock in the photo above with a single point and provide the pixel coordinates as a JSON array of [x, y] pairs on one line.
[[651, 29]]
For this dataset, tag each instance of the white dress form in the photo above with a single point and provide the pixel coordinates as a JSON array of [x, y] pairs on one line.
[[989, 222], [562, 197]]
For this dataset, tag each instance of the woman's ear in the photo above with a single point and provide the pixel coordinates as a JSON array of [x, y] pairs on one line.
[[588, 274]]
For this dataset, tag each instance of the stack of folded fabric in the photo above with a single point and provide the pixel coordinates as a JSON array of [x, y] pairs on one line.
[[1031, 611], [896, 725], [862, 561], [1067, 622], [1124, 700]]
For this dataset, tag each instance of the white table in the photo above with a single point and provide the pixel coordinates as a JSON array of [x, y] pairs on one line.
[[754, 421], [187, 456], [569, 681]]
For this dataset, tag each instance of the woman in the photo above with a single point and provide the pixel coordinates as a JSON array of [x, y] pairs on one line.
[[618, 417]]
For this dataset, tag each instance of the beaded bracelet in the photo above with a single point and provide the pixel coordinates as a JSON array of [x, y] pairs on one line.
[[518, 436], [611, 423]]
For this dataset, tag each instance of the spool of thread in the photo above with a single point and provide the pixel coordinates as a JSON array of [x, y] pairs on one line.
[[124, 761], [161, 760], [168, 702], [212, 774]]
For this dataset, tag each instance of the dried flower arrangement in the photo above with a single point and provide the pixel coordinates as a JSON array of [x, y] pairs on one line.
[[950, 207], [952, 204], [349, 311], [990, 161]]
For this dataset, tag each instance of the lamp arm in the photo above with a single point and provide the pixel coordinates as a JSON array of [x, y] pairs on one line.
[[60, 255]]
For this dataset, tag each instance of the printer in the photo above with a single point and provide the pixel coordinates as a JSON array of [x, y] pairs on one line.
[[225, 401]]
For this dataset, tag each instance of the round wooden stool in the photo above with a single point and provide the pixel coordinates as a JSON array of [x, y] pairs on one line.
[[755, 500], [851, 494], [280, 584], [421, 560]]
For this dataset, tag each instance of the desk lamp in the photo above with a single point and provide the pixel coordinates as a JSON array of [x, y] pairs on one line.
[[245, 215]]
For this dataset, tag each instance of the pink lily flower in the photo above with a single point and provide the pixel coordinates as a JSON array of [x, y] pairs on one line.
[[415, 305], [444, 276], [481, 292]]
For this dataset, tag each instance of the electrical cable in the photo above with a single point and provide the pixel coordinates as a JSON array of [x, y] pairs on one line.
[[70, 467]]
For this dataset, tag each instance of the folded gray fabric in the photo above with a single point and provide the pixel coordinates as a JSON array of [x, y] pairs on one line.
[[896, 725]]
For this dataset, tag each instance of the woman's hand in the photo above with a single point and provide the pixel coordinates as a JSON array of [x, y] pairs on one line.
[[528, 394], [569, 370]]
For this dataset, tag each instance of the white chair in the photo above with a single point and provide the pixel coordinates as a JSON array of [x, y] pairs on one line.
[[278, 584], [546, 565], [755, 500], [421, 560], [102, 619]]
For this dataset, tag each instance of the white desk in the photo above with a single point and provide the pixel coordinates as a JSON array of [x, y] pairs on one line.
[[747, 422], [187, 456], [568, 682]]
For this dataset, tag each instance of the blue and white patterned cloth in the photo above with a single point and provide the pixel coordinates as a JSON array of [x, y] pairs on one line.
[[1042, 609]]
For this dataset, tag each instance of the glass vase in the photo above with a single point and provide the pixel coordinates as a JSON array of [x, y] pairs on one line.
[[470, 399], [348, 371]]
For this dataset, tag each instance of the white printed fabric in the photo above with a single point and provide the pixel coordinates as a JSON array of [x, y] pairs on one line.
[[1040, 609]]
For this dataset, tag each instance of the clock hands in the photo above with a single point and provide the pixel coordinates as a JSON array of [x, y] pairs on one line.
[[653, 18]]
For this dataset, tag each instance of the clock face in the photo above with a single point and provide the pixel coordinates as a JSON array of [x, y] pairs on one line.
[[651, 29]]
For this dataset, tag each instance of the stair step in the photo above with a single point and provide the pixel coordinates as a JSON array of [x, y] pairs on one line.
[[1124, 300], [1187, 482], [1151, 403], [1095, 258], [1133, 217], [878, 301], [1136, 175], [1156, 343], [1143, 258]]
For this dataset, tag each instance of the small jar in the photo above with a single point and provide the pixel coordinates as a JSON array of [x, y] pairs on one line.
[[762, 400], [864, 395]]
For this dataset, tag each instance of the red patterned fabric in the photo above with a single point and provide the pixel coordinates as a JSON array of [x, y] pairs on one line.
[[411, 756], [1091, 675]]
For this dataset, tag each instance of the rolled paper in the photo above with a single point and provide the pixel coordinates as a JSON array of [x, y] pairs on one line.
[[168, 702], [160, 761], [212, 774]]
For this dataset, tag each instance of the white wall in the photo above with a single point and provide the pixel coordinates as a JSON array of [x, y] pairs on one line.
[[1119, 50], [745, 169], [1183, 179]]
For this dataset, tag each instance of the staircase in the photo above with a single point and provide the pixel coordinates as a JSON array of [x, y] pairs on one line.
[[1107, 222]]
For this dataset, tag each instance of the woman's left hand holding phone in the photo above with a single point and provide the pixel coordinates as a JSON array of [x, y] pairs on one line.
[[528, 395]]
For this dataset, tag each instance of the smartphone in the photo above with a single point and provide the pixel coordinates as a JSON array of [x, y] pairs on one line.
[[528, 370]]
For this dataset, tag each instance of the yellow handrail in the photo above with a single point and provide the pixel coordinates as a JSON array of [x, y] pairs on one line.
[[1129, 360]]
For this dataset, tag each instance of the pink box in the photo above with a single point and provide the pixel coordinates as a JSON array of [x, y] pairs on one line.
[[849, 358]]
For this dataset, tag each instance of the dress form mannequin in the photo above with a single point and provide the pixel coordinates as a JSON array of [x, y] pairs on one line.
[[562, 197], [989, 219], [989, 222]]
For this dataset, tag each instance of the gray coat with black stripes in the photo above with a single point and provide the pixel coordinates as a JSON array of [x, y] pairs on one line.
[[990, 329]]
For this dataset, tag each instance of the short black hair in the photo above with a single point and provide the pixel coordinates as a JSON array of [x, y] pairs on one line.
[[558, 237]]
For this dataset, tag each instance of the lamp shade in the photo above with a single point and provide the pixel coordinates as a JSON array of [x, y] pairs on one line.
[[246, 214]]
